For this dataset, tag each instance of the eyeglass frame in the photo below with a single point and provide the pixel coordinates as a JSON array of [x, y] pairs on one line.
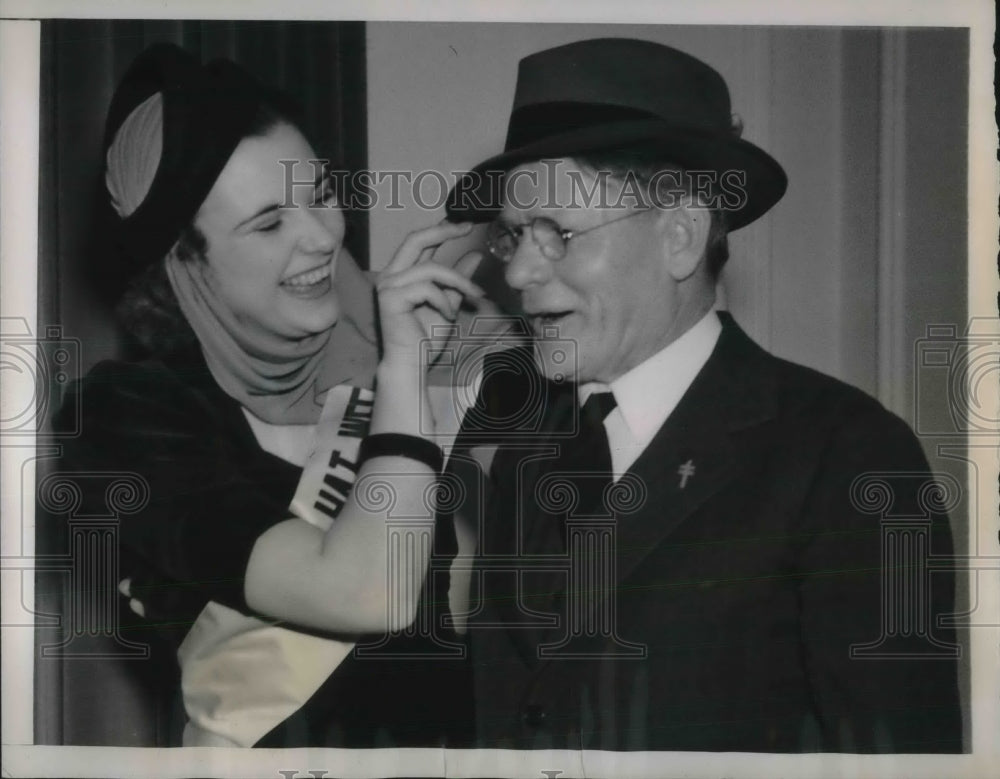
[[565, 234]]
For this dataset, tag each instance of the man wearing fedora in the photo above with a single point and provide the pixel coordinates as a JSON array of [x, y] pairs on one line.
[[680, 550]]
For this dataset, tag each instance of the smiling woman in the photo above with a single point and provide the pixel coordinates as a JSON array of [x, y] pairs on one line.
[[283, 602], [272, 261]]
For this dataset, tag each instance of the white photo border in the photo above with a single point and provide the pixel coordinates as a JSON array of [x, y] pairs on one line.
[[19, 91]]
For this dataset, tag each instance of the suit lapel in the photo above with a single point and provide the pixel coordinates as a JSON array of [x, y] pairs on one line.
[[696, 454], [734, 391], [691, 458]]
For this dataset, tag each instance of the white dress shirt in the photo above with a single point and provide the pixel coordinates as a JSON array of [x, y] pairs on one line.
[[648, 394]]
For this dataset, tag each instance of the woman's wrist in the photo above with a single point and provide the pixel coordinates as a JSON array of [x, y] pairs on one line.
[[401, 399], [402, 445], [402, 380], [402, 363]]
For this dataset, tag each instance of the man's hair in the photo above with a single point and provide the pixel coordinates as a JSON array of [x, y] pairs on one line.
[[148, 309], [646, 163]]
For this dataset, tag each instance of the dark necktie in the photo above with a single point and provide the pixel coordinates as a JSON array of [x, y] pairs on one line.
[[585, 460]]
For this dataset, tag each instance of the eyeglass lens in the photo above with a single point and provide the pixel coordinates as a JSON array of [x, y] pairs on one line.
[[503, 238]]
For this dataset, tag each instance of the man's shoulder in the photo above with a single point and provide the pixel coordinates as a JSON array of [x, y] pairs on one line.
[[816, 424], [801, 386], [803, 393]]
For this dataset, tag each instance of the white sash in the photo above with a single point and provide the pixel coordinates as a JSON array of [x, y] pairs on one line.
[[241, 676]]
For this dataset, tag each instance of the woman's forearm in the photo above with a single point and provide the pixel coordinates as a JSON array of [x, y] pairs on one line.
[[363, 574], [366, 572]]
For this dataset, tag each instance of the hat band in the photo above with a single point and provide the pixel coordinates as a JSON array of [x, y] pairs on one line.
[[532, 123]]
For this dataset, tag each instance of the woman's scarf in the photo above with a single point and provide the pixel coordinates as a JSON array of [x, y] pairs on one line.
[[279, 380]]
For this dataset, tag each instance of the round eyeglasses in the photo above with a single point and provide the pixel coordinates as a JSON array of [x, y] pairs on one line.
[[503, 238]]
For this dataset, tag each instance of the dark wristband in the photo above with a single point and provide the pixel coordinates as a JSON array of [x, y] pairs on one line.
[[401, 445]]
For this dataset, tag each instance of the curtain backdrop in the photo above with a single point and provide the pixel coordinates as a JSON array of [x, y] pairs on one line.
[[115, 700]]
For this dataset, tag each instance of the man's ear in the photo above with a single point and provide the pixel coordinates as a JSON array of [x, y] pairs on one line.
[[685, 236]]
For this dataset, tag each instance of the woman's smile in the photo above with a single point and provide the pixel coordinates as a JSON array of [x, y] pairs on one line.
[[312, 283]]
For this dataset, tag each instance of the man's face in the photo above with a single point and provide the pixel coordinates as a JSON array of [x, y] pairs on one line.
[[612, 293]]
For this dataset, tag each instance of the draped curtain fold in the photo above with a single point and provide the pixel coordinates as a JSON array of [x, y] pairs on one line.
[[111, 701]]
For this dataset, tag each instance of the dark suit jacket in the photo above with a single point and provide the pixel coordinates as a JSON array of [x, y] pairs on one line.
[[731, 603]]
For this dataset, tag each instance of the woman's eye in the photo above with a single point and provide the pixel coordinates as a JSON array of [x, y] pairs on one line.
[[270, 227], [325, 196]]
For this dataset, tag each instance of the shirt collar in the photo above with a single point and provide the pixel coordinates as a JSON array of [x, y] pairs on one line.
[[648, 393]]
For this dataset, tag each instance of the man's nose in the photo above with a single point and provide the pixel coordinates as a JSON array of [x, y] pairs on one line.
[[528, 266]]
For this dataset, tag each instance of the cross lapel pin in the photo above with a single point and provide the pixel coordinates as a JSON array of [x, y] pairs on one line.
[[686, 471]]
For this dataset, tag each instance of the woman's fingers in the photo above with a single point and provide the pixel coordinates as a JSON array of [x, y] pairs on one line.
[[427, 255], [405, 299], [416, 294], [466, 266], [419, 245], [468, 263], [438, 274]]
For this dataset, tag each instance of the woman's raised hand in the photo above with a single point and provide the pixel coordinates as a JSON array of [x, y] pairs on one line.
[[417, 295]]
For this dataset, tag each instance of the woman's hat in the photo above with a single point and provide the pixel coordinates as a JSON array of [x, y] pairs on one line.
[[611, 93], [206, 110]]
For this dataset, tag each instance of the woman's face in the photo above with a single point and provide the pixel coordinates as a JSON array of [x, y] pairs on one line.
[[273, 247]]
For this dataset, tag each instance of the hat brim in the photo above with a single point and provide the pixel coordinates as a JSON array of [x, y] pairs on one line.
[[754, 181]]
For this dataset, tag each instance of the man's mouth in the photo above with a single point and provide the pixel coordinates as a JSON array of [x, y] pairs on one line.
[[542, 320]]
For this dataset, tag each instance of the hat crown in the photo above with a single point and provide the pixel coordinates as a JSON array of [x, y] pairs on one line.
[[620, 93], [615, 78]]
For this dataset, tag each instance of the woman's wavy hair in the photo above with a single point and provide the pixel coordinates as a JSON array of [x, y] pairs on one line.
[[148, 310]]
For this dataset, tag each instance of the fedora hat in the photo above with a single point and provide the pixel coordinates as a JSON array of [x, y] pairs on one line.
[[610, 93]]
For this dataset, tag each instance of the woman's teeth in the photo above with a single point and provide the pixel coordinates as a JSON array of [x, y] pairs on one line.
[[309, 277]]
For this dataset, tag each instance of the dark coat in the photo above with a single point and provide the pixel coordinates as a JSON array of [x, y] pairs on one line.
[[736, 599], [212, 491]]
